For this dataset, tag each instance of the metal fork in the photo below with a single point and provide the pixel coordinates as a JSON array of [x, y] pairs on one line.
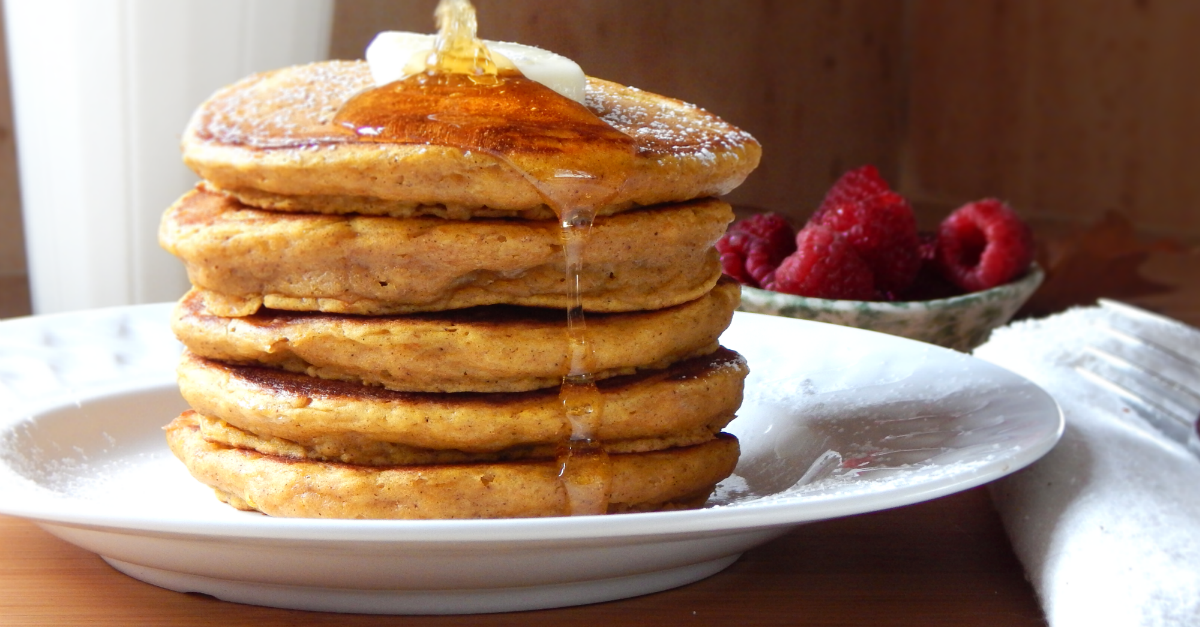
[[1153, 363]]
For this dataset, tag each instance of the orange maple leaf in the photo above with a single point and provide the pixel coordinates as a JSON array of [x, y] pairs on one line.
[[1101, 261]]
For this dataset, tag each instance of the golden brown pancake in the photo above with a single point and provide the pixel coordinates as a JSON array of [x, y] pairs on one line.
[[483, 349], [280, 486], [342, 421], [245, 258], [349, 450], [270, 139]]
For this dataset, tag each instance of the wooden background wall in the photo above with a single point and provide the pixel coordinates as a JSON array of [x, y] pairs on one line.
[[13, 282], [1066, 109]]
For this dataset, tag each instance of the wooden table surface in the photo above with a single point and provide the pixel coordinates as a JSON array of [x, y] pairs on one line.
[[944, 562]]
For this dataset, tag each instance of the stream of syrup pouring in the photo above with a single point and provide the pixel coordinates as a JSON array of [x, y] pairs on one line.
[[576, 161]]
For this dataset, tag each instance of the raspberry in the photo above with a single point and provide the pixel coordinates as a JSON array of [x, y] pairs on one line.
[[754, 247], [882, 229], [854, 186], [984, 244], [769, 226], [824, 265], [735, 249]]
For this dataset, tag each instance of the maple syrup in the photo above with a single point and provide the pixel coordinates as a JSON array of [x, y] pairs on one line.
[[466, 100], [456, 49]]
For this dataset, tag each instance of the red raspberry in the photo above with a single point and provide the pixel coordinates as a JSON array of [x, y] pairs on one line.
[[984, 244], [883, 230], [824, 265], [735, 249], [754, 247], [769, 226], [854, 186], [733, 258]]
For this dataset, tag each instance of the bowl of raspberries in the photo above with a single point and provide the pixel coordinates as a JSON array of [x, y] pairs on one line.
[[860, 261]]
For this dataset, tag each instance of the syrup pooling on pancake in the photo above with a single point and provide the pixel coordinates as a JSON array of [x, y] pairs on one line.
[[515, 119], [480, 106]]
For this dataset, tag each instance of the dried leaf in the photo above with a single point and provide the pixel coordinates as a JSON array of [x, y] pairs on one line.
[[1102, 261]]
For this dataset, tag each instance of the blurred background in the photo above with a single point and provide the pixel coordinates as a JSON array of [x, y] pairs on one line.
[[1067, 110]]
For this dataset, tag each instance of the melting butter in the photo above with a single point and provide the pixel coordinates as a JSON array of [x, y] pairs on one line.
[[395, 55]]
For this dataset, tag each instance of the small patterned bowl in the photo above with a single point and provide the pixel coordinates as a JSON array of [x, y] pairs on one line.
[[959, 322]]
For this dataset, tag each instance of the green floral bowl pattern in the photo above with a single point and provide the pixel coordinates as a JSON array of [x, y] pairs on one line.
[[960, 322]]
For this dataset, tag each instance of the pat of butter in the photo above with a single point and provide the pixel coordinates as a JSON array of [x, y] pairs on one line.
[[394, 55]]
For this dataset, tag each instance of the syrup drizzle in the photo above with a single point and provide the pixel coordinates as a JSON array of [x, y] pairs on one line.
[[456, 49], [585, 470], [478, 105]]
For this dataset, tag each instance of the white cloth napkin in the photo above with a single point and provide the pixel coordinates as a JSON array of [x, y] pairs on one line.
[[1107, 525]]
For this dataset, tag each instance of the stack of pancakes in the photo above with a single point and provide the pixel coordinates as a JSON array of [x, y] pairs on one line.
[[378, 330]]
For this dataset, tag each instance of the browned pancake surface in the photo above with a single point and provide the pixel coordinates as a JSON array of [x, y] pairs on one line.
[[337, 420], [270, 139]]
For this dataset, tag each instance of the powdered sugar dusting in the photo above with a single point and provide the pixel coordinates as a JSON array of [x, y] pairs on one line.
[[285, 108], [665, 126], [294, 107]]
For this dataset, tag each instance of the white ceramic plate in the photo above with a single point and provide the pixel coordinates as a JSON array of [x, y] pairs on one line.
[[836, 421]]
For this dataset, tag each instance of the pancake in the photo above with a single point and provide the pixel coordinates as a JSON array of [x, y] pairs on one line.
[[483, 349], [280, 486], [342, 421], [270, 140], [245, 258], [348, 450]]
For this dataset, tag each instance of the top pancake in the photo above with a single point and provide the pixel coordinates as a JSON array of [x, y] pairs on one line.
[[269, 140]]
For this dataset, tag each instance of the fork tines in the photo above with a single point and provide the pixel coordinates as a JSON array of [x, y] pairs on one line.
[[1153, 363]]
